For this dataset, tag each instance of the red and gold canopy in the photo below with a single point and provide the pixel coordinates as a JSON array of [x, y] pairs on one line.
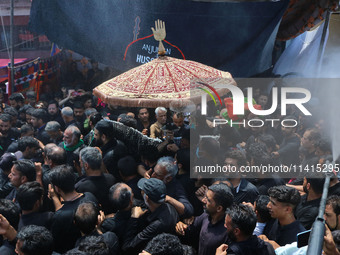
[[161, 82]]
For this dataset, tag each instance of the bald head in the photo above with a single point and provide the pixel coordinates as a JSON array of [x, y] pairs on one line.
[[121, 196]]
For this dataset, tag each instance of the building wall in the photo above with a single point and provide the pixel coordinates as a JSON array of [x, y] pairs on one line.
[[27, 44]]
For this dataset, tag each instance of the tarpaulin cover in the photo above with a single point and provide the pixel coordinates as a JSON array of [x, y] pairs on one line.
[[237, 37], [3, 67]]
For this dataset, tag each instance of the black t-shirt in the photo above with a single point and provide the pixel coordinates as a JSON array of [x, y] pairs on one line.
[[252, 246], [8, 248], [36, 218], [246, 192], [117, 224], [12, 135], [99, 186], [334, 190], [133, 185], [264, 185], [65, 233], [285, 234], [307, 211]]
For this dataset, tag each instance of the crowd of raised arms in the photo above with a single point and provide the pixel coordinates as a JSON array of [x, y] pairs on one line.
[[70, 183]]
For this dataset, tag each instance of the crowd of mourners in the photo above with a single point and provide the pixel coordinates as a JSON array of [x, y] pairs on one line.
[[70, 185]]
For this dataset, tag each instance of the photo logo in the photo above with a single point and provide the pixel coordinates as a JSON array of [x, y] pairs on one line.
[[238, 100]]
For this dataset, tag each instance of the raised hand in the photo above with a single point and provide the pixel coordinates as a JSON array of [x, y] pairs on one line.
[[159, 31], [159, 34]]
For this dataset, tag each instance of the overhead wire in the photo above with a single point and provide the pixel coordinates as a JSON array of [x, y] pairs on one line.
[[5, 36]]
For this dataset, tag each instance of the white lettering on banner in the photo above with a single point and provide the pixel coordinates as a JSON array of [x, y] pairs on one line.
[[153, 49], [143, 59]]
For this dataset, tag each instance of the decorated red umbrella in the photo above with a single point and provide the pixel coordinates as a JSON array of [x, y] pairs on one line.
[[164, 81]]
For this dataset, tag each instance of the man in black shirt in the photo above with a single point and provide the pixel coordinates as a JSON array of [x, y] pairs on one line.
[[39, 120], [112, 149], [86, 219], [17, 100], [30, 197], [7, 133], [240, 222], [22, 171], [289, 148], [144, 123], [79, 115], [208, 228], [54, 113], [163, 217], [28, 146], [65, 233], [121, 198], [127, 167], [283, 200], [166, 170], [95, 181], [243, 190], [307, 210], [53, 129], [6, 163]]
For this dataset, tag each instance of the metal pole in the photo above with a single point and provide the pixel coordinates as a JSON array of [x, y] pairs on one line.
[[315, 242], [12, 47]]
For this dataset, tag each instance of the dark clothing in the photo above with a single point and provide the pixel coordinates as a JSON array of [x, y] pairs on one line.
[[117, 224], [36, 218], [180, 131], [48, 204], [135, 190], [334, 190], [8, 248], [99, 186], [73, 123], [210, 236], [140, 231], [12, 135], [72, 154], [246, 192], [252, 246], [5, 184], [285, 234], [175, 190], [263, 185], [190, 189], [12, 196], [140, 126], [58, 119], [307, 211], [289, 151], [13, 147], [65, 233], [112, 152], [42, 135], [110, 239]]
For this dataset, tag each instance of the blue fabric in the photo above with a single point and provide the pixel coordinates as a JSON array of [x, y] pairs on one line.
[[235, 37]]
